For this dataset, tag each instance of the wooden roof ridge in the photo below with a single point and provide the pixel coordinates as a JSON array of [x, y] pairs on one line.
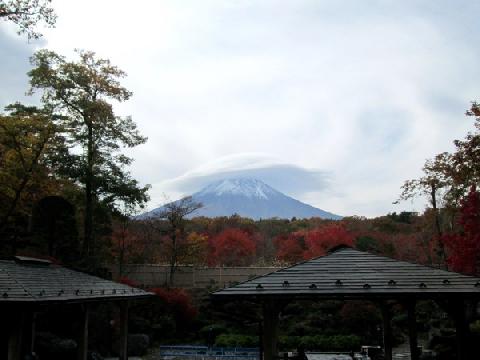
[[24, 280], [342, 247], [410, 262], [348, 272]]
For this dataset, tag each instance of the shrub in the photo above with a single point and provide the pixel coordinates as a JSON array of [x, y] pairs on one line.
[[179, 302], [236, 340], [321, 342]]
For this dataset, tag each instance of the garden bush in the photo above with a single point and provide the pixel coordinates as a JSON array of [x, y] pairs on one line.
[[321, 342], [236, 340]]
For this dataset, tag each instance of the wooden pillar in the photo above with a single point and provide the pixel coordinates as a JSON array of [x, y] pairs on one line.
[[387, 330], [260, 340], [123, 352], [82, 349], [462, 330], [34, 332], [270, 329], [28, 337], [16, 337], [4, 334], [412, 330]]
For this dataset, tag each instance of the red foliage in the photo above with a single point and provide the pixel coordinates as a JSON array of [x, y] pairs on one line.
[[178, 302], [125, 243], [409, 247], [301, 245], [320, 240], [464, 249], [231, 247], [290, 248], [413, 247]]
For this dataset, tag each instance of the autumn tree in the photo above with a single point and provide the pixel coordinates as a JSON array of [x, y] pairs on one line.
[[174, 214], [464, 247], [231, 247], [429, 185], [319, 241], [134, 242], [196, 249], [465, 160], [124, 243], [451, 173], [290, 247], [27, 14], [27, 139], [269, 230], [81, 92]]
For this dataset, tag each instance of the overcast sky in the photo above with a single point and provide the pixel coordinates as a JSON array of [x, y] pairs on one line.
[[333, 102]]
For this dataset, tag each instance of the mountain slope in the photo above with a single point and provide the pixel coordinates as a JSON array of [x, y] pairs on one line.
[[250, 198]]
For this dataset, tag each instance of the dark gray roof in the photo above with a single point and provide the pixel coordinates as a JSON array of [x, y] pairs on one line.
[[31, 280], [349, 273]]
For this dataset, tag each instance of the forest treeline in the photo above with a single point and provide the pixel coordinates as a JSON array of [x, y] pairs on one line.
[[66, 191]]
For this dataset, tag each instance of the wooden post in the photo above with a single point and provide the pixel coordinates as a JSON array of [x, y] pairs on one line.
[[34, 332], [123, 352], [270, 329], [412, 330], [387, 330], [260, 340], [82, 349], [462, 330], [15, 340], [28, 337]]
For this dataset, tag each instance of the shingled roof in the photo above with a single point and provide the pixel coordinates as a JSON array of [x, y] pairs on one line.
[[28, 280], [350, 273]]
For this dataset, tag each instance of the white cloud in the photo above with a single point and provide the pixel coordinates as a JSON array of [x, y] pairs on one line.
[[288, 178], [364, 91]]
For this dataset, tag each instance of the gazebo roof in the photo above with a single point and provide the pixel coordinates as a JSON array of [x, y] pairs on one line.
[[28, 280], [350, 273]]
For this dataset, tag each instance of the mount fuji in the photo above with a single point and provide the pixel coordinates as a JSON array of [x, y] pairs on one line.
[[249, 198]]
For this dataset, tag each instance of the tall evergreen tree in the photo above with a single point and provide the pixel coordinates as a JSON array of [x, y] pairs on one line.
[[81, 92]]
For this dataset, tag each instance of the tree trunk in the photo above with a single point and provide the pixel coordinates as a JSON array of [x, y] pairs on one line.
[[173, 258], [433, 194], [438, 229], [89, 192]]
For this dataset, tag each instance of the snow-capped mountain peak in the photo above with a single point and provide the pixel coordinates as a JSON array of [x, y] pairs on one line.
[[249, 198], [251, 188]]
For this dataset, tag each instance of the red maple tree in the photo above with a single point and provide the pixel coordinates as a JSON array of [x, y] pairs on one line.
[[231, 247], [319, 241], [290, 247], [464, 248], [306, 244]]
